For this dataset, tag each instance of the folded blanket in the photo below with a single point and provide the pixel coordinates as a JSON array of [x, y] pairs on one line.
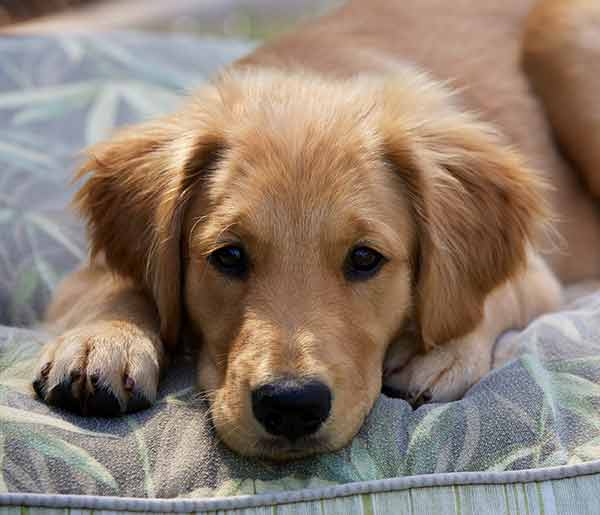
[[540, 409]]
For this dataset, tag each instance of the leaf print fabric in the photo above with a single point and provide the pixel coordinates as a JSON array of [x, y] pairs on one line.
[[59, 94]]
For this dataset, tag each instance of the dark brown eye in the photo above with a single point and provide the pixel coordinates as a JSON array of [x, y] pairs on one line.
[[362, 263], [230, 260]]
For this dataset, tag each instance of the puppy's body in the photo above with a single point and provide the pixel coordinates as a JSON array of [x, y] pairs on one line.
[[324, 213], [477, 47]]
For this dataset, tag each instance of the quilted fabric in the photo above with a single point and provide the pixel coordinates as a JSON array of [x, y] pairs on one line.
[[59, 94]]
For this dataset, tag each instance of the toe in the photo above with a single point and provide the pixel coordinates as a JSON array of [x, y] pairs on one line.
[[142, 375], [105, 369], [61, 395], [41, 380], [39, 387]]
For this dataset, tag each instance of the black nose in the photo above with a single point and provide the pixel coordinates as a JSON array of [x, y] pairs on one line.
[[291, 408]]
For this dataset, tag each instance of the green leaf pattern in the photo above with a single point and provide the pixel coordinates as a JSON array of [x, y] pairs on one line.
[[57, 96]]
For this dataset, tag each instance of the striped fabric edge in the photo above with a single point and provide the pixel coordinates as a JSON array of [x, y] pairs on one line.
[[314, 494]]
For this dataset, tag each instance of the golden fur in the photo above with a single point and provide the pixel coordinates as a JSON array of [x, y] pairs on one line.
[[305, 149]]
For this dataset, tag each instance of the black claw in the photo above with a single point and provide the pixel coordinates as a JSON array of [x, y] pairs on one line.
[[39, 385], [137, 402], [102, 403], [62, 396], [417, 400]]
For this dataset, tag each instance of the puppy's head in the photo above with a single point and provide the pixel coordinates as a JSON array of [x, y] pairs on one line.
[[297, 224]]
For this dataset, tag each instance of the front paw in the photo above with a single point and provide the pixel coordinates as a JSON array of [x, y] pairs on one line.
[[443, 374], [102, 369]]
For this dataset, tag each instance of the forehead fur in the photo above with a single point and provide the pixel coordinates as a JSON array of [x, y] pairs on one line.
[[300, 153], [277, 122]]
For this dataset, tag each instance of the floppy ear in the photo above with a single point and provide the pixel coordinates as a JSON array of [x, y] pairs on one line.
[[134, 202], [477, 208]]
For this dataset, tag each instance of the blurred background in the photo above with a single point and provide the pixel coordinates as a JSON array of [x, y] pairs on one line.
[[248, 19]]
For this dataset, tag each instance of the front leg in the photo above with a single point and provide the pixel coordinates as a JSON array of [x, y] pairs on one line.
[[107, 355], [446, 372]]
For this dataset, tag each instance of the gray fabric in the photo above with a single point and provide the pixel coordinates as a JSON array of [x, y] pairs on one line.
[[537, 411], [549, 490], [56, 95]]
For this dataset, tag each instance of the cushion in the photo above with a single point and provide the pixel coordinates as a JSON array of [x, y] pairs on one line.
[[526, 437]]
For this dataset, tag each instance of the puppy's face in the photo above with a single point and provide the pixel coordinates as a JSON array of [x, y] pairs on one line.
[[297, 224], [298, 276]]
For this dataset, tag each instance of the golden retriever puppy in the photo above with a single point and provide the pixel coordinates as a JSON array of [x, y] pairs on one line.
[[322, 218]]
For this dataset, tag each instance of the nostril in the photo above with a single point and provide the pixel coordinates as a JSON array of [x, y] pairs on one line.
[[272, 421], [291, 408]]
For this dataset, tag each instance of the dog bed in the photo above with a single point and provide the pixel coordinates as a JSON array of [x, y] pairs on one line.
[[526, 439]]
